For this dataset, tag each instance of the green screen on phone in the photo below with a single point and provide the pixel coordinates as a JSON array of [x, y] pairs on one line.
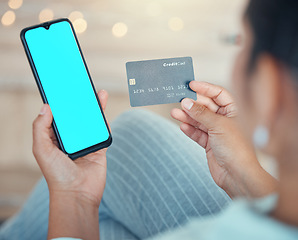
[[67, 86]]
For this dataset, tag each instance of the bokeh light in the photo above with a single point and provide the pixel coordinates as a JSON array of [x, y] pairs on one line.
[[15, 4], [154, 9], [80, 25], [46, 15], [8, 18], [119, 29], [75, 15], [176, 24]]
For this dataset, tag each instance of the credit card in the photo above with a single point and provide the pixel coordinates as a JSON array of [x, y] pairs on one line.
[[160, 81]]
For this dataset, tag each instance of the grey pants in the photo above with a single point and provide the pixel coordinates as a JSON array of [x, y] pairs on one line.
[[157, 180]]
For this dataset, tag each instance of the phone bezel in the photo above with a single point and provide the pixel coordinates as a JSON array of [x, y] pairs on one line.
[[90, 149]]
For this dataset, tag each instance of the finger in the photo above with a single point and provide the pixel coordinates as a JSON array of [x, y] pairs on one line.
[[200, 113], [195, 134], [98, 157], [42, 142], [218, 94], [229, 111], [53, 137], [103, 98], [207, 102], [183, 117]]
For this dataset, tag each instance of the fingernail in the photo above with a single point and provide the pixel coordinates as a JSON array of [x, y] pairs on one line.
[[101, 91], [43, 110], [187, 103]]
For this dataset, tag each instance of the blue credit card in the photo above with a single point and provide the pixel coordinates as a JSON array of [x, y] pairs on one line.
[[160, 81]]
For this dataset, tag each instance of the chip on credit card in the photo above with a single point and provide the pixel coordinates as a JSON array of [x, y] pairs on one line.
[[160, 81]]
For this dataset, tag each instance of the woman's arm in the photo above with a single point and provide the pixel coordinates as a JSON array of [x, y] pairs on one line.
[[75, 187], [210, 121], [72, 215]]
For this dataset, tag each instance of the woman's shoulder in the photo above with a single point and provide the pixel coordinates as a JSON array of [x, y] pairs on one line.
[[242, 219], [251, 219]]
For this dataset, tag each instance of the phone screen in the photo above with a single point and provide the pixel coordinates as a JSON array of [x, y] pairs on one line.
[[67, 86]]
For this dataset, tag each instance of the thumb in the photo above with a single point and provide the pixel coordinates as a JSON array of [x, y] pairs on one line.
[[200, 113], [42, 142]]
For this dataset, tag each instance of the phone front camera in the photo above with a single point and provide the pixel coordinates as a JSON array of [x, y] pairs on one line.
[[46, 26]]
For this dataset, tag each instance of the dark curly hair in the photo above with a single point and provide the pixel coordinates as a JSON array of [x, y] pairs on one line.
[[274, 25]]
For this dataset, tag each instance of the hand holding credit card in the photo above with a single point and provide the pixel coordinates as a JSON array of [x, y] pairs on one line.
[[160, 81]]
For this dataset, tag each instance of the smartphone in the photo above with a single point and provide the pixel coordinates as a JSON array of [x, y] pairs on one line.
[[64, 83]]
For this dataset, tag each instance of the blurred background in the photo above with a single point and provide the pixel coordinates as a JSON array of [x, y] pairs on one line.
[[111, 32]]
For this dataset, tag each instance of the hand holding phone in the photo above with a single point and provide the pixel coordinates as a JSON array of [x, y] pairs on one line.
[[73, 120], [75, 187], [86, 174]]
